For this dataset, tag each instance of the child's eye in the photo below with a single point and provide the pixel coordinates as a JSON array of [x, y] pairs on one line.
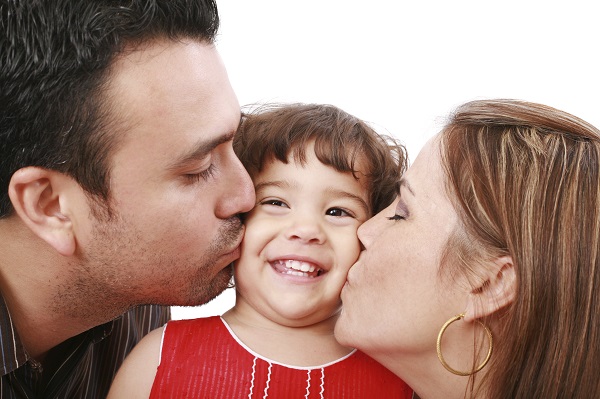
[[273, 202], [339, 212]]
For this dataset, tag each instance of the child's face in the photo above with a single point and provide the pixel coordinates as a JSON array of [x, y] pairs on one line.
[[300, 240]]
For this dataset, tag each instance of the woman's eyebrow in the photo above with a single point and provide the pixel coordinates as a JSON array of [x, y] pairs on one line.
[[406, 184]]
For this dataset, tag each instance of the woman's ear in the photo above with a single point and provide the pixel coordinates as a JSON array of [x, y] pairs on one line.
[[39, 196], [496, 292]]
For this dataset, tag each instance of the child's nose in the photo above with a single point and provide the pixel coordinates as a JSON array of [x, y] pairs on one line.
[[306, 230]]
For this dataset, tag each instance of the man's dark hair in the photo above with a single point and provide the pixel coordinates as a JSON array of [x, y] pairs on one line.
[[55, 59]]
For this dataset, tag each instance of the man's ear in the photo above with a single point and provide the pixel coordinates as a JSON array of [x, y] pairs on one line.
[[496, 292], [39, 196]]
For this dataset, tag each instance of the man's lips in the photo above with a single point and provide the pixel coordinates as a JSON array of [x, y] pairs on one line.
[[235, 251]]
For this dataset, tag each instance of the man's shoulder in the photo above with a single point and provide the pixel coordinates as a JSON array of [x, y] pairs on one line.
[[145, 318], [124, 332]]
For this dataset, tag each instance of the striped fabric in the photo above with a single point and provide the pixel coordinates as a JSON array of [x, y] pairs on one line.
[[85, 364], [204, 359]]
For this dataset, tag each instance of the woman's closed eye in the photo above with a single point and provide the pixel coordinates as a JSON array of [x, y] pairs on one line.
[[397, 217], [401, 212]]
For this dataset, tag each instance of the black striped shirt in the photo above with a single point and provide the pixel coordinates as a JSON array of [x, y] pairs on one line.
[[86, 363]]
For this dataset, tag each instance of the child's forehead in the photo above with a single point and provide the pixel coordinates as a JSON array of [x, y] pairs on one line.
[[348, 158], [310, 175], [310, 168]]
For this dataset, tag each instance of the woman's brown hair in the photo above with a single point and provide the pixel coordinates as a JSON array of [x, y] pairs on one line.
[[525, 181]]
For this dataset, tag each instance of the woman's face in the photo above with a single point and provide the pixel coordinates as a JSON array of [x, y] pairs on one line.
[[395, 301]]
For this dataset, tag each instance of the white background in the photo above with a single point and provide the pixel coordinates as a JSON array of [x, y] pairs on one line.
[[403, 66]]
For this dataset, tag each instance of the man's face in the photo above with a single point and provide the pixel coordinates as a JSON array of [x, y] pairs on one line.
[[176, 185]]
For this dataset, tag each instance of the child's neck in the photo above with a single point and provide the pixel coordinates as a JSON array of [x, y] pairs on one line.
[[301, 346]]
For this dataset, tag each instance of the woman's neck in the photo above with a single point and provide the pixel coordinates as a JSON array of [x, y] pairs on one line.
[[426, 375]]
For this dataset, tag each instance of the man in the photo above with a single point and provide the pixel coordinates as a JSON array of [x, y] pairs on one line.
[[120, 186]]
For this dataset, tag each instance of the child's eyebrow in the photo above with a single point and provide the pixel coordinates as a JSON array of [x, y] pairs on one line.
[[346, 194], [272, 183], [330, 192]]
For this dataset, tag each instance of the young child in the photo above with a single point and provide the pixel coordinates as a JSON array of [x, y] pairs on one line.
[[318, 173]]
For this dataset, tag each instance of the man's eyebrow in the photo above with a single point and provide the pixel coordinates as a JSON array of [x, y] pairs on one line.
[[202, 149], [405, 183]]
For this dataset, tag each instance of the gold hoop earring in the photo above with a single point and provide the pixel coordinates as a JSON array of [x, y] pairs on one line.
[[439, 347]]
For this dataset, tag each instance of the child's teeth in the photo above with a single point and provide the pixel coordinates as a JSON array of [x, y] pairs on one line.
[[298, 268]]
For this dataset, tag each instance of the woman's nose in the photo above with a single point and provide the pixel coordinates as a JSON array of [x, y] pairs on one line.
[[369, 230]]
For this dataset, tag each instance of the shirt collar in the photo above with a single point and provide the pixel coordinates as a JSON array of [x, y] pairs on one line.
[[14, 354]]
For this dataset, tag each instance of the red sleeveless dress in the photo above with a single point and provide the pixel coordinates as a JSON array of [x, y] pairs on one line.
[[202, 358]]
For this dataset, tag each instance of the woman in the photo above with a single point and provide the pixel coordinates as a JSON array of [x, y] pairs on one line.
[[486, 268]]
